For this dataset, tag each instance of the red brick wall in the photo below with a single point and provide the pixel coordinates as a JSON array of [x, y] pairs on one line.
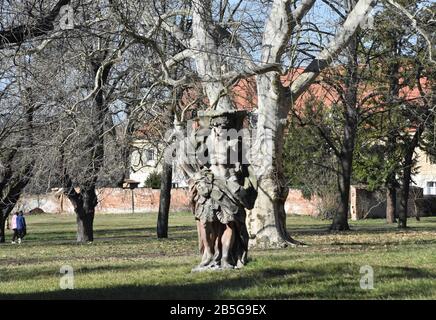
[[297, 204], [117, 200]]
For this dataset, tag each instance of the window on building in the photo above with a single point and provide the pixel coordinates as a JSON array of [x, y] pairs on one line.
[[431, 184], [149, 154], [431, 188]]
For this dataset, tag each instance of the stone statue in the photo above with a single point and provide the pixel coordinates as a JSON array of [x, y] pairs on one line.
[[222, 185]]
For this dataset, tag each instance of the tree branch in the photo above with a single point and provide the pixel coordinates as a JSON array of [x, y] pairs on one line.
[[354, 19], [19, 34], [415, 26]]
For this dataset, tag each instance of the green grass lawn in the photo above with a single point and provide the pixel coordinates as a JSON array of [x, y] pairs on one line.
[[126, 261]]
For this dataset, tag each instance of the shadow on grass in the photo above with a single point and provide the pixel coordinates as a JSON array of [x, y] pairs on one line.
[[317, 230], [31, 274], [277, 283], [107, 233], [149, 231], [68, 237]]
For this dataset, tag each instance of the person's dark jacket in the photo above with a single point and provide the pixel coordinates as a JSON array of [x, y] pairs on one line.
[[21, 223]]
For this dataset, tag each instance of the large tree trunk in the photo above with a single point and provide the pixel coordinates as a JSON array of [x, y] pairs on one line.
[[267, 220], [85, 221], [404, 202], [85, 226], [391, 204], [340, 219], [208, 63], [350, 112], [6, 207], [84, 203], [166, 181], [164, 200], [407, 173], [391, 193]]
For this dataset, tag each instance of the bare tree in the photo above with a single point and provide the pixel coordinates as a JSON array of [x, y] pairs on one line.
[[20, 102], [28, 26], [216, 34], [16, 145]]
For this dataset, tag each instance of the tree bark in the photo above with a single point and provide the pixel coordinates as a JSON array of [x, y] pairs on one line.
[[351, 120], [84, 203], [208, 63], [166, 178], [85, 227], [391, 204], [391, 181], [164, 200], [407, 173], [85, 216], [404, 202], [267, 220], [340, 219], [391, 193]]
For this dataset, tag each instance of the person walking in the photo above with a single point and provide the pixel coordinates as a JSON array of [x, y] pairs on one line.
[[14, 227], [21, 226]]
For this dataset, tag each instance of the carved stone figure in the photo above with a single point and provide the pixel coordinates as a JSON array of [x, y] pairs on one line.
[[222, 186]]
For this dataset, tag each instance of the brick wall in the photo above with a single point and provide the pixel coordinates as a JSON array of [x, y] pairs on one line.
[[110, 200], [372, 204], [117, 200], [297, 204]]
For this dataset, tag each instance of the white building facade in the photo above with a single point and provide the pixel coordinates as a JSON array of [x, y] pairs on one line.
[[425, 178], [147, 158]]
